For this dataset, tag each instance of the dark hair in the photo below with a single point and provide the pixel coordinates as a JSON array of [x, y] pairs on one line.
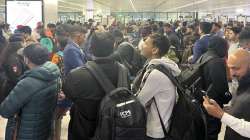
[[167, 25], [206, 27], [154, 28], [217, 24], [245, 34], [63, 30], [36, 54], [161, 42], [25, 29], [184, 23], [9, 49], [15, 43], [77, 29], [236, 29], [219, 46], [117, 34], [102, 44], [17, 37], [3, 47], [62, 34], [3, 41], [145, 31], [160, 24], [51, 25]]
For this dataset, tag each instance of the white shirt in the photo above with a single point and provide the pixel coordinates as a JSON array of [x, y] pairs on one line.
[[240, 126], [159, 86], [233, 48]]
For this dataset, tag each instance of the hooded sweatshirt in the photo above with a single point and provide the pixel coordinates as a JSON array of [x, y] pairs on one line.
[[159, 86], [34, 99]]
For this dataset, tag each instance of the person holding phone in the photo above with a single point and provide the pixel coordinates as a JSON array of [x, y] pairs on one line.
[[240, 126], [239, 121]]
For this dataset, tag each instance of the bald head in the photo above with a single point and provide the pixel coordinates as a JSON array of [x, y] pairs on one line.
[[239, 63]]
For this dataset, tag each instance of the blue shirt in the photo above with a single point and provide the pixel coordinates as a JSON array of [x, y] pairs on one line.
[[73, 57], [200, 47]]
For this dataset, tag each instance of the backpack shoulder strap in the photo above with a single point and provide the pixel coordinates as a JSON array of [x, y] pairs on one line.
[[202, 61], [100, 76], [172, 78], [161, 121], [122, 76]]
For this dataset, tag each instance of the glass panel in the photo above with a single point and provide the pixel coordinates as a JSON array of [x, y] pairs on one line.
[[172, 16]]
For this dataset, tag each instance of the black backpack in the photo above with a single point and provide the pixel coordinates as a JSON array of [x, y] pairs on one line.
[[121, 115], [193, 82], [188, 121], [191, 77]]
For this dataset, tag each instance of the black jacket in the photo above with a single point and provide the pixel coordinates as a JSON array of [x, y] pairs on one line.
[[86, 94], [240, 108], [214, 72]]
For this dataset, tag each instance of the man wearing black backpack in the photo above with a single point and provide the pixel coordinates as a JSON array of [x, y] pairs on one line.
[[157, 92], [84, 90], [215, 80]]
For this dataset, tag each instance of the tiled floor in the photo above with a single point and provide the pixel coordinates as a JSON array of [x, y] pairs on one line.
[[64, 129]]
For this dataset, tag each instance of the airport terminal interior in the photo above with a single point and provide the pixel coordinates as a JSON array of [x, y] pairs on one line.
[[60, 60]]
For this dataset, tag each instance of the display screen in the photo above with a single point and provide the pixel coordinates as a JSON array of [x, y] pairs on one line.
[[24, 13]]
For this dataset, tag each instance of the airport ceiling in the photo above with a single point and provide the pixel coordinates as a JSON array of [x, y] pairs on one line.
[[221, 6], [159, 5]]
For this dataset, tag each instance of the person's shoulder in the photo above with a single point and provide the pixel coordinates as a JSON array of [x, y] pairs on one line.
[[244, 98], [157, 76], [79, 69], [70, 48], [197, 42], [216, 62], [27, 81]]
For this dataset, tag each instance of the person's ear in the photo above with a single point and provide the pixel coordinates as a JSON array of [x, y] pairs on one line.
[[155, 51]]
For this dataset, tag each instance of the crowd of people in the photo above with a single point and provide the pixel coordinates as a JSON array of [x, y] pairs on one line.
[[46, 72]]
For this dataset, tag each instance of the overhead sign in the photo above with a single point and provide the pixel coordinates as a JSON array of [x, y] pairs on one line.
[[24, 13]]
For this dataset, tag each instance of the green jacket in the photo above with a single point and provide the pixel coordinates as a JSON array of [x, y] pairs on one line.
[[34, 98], [47, 43]]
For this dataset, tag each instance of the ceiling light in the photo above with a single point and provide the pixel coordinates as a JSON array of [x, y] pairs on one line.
[[65, 7], [133, 6], [72, 3], [187, 5], [239, 11]]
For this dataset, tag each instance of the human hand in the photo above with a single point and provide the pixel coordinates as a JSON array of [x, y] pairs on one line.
[[213, 108]]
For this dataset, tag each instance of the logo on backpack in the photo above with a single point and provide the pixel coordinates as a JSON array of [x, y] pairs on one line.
[[125, 114]]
